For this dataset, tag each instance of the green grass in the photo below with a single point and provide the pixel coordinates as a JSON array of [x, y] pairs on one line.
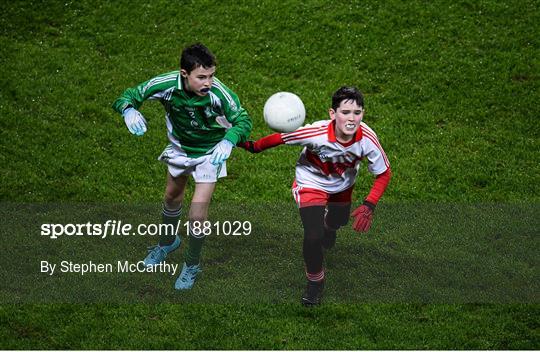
[[421, 253], [451, 88], [241, 326]]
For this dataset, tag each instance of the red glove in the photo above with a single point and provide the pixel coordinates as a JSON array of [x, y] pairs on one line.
[[363, 216], [249, 146]]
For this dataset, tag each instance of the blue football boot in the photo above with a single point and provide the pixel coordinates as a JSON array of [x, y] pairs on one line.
[[157, 253], [187, 277]]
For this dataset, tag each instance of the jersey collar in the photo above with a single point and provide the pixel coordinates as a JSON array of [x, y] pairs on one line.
[[179, 80], [332, 133]]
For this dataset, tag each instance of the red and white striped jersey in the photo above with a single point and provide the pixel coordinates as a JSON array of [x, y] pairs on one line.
[[329, 165]]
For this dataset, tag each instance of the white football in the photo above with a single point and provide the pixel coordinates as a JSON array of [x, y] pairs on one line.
[[284, 112]]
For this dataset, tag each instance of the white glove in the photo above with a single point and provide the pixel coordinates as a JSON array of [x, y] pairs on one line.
[[221, 152], [135, 121]]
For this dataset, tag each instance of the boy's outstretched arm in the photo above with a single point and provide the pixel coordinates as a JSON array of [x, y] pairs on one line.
[[131, 100], [270, 141], [363, 215]]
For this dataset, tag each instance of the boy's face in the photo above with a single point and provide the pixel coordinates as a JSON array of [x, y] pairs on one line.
[[348, 116], [199, 80]]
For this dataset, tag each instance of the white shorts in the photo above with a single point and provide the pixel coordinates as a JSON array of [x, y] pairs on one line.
[[200, 168]]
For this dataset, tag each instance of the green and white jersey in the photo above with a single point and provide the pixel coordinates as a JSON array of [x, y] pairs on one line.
[[194, 123]]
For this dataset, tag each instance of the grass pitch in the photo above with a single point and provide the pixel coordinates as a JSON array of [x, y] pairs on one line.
[[451, 88]]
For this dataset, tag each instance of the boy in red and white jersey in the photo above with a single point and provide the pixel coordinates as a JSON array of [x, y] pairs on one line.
[[325, 176]]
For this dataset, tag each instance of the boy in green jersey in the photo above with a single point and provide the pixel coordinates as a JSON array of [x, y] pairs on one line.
[[205, 120]]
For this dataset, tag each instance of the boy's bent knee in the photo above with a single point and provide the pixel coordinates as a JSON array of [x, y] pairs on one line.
[[337, 216]]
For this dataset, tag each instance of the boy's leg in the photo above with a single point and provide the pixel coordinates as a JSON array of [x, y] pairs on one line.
[[313, 223], [205, 175], [337, 215], [172, 205], [198, 212]]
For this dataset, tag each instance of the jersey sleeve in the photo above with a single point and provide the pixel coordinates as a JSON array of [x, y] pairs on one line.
[[304, 135], [267, 142], [235, 114], [374, 153], [379, 186], [152, 89]]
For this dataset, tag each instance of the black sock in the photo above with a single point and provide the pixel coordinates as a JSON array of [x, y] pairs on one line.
[[313, 256], [313, 223]]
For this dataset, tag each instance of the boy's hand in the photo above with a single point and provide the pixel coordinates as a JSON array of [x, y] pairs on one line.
[[249, 146], [135, 121], [221, 152], [363, 216]]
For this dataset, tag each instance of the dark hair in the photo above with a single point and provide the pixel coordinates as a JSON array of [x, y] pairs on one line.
[[347, 93], [196, 55]]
